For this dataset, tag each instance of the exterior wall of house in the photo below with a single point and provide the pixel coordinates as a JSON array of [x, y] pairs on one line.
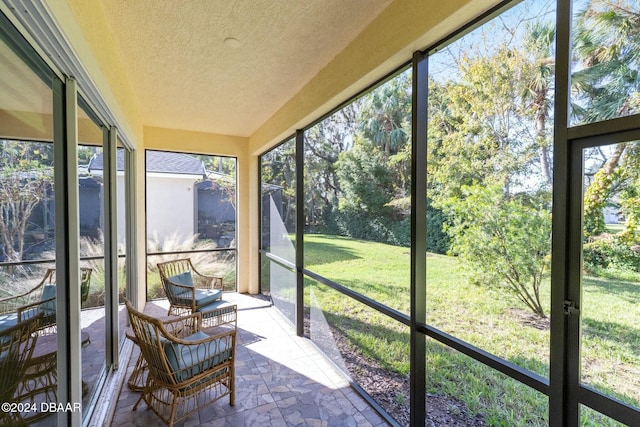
[[170, 206]]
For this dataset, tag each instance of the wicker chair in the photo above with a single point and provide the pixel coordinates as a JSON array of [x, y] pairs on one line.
[[16, 348], [39, 300], [187, 369], [187, 290], [13, 303]]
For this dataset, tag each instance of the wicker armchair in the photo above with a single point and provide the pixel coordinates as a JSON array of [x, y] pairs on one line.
[[13, 303], [188, 369], [39, 300], [187, 290], [16, 348]]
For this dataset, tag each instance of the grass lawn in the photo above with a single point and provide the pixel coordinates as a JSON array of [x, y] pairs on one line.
[[481, 315]]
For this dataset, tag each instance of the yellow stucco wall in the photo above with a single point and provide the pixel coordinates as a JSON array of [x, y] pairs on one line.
[[85, 26]]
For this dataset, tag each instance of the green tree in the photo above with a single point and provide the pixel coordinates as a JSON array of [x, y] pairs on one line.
[[278, 173], [539, 42], [504, 240], [607, 85], [607, 48], [386, 112], [25, 175], [322, 147], [489, 161], [365, 208]]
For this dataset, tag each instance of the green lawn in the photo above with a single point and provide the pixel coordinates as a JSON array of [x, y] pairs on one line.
[[481, 315]]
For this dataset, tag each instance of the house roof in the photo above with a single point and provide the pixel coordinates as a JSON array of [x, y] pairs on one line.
[[158, 161]]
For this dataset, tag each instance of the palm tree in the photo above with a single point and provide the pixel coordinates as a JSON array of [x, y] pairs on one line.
[[607, 85], [607, 43], [539, 41], [385, 114]]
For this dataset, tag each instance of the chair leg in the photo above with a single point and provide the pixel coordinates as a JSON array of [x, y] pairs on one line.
[[232, 382], [138, 401], [174, 404]]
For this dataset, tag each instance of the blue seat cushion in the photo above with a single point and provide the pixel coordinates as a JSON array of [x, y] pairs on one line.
[[184, 279], [203, 296], [8, 320], [212, 306], [48, 308], [187, 361]]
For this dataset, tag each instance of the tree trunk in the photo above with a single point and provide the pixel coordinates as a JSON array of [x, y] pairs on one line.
[[597, 193]]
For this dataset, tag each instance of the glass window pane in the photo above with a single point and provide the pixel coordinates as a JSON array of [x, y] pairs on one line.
[[489, 185], [604, 72], [27, 236], [26, 102], [92, 286], [357, 194], [278, 201], [121, 200], [610, 312]]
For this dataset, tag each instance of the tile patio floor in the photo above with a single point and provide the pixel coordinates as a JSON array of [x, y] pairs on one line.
[[281, 380]]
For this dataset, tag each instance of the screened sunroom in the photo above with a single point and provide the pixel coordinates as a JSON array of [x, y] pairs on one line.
[[418, 213]]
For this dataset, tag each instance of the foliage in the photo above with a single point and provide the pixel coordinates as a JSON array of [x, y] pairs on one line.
[[278, 174], [379, 119], [609, 250], [25, 177], [208, 263], [438, 240], [607, 45], [606, 86], [385, 113], [504, 241], [477, 315], [365, 207], [489, 162]]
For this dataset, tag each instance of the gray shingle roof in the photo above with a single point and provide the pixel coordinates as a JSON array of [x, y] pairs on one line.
[[158, 161]]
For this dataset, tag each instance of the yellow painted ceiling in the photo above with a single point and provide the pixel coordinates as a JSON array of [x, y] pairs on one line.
[[184, 75]]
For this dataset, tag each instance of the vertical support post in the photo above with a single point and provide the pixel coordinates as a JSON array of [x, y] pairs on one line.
[[260, 223], [110, 246], [563, 399], [418, 235], [67, 234], [299, 232], [130, 174]]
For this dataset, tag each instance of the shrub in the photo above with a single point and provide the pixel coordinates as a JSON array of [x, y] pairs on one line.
[[438, 240], [608, 250]]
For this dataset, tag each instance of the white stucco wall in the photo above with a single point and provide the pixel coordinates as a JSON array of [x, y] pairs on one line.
[[170, 205]]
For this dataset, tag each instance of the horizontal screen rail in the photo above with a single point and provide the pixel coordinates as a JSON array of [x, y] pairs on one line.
[[510, 369], [194, 251], [394, 314]]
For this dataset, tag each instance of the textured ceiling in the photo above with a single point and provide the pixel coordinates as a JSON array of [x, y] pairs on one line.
[[185, 77]]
